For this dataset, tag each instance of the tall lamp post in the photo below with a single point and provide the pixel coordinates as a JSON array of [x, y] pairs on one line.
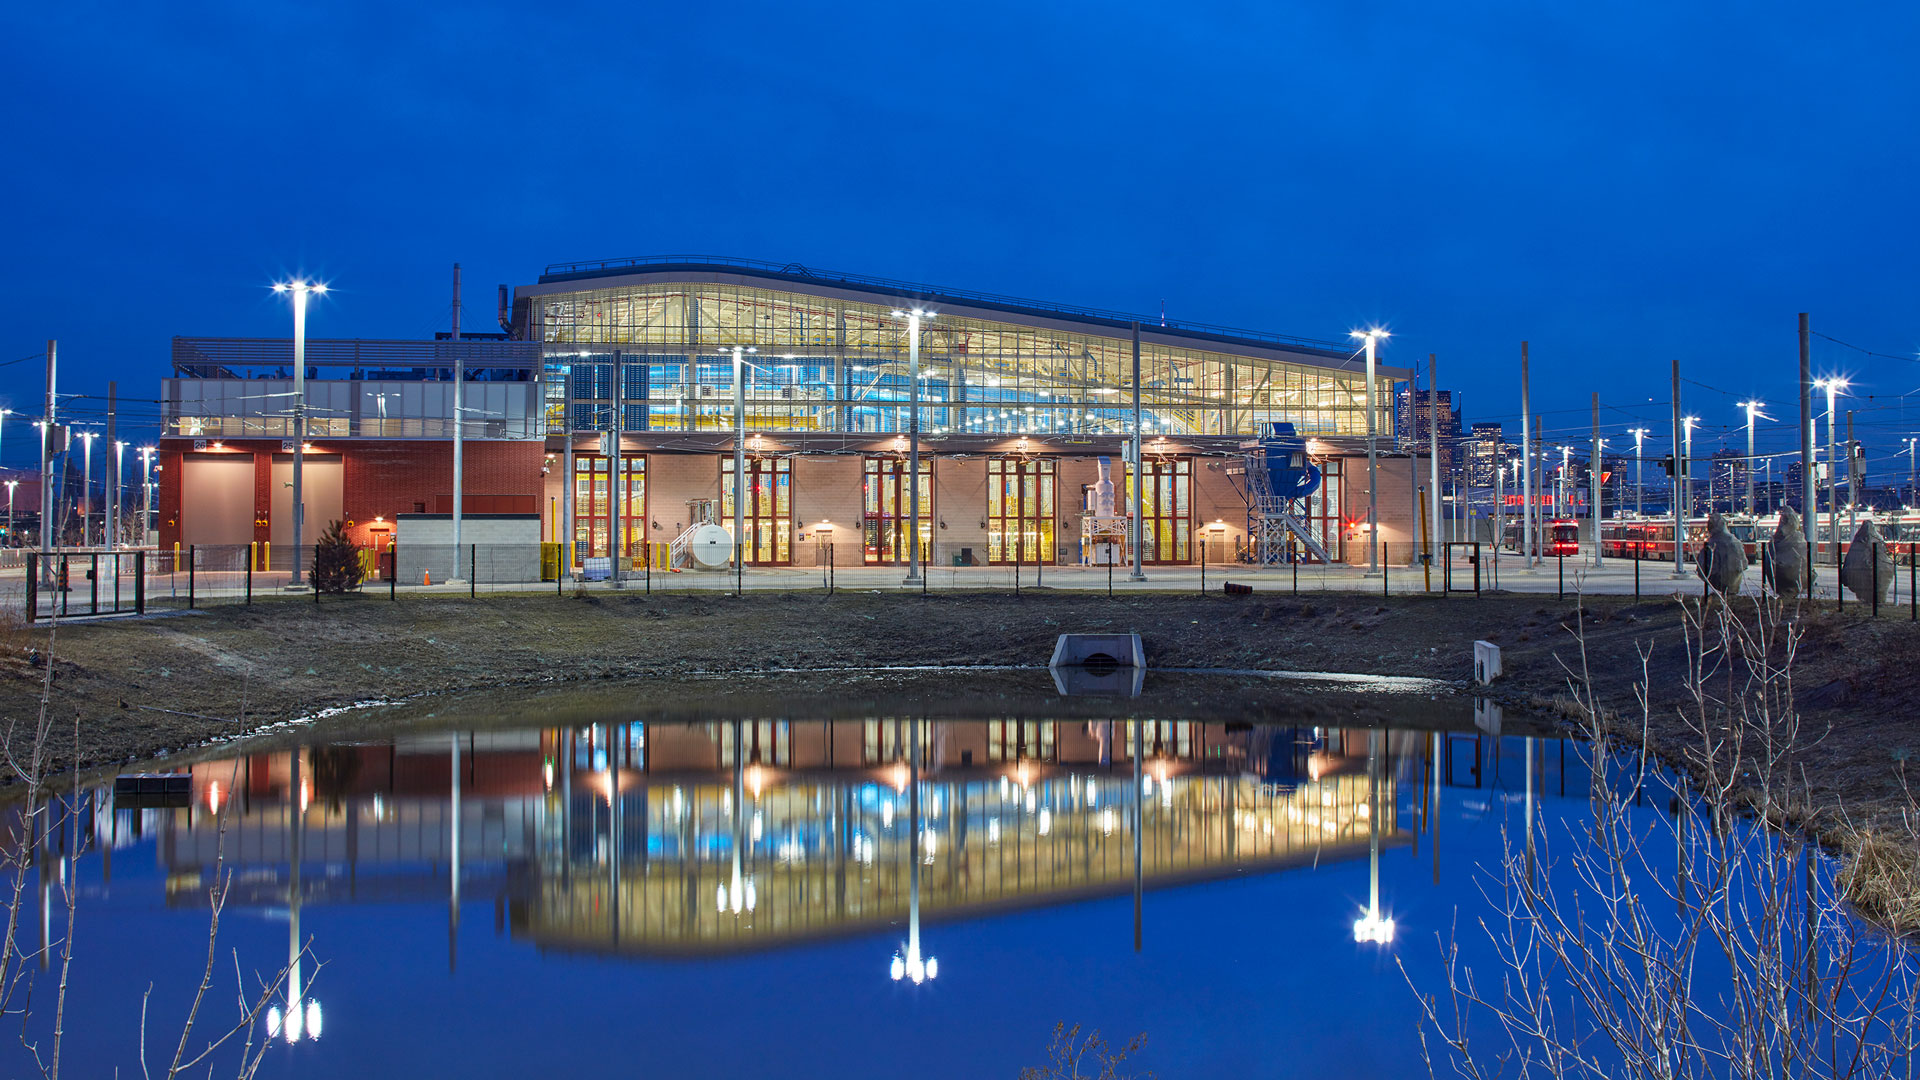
[[1639, 488], [119, 493], [299, 291], [739, 452], [1686, 428], [11, 484], [1371, 339], [1753, 411], [1833, 386], [86, 488], [146, 493], [913, 440]]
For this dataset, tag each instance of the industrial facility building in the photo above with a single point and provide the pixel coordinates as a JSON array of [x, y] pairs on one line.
[[1021, 406]]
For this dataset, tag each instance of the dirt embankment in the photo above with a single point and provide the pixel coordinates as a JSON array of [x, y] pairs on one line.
[[141, 687]]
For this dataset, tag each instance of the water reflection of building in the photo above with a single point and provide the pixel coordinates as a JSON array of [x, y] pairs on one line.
[[666, 838]]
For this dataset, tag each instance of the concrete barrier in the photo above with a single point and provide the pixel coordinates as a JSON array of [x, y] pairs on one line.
[[1079, 650], [1486, 662]]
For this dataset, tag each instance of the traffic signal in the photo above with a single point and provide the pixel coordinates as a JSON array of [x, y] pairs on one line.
[[1667, 464]]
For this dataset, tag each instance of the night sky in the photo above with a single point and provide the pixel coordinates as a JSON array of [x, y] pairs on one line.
[[1621, 184]]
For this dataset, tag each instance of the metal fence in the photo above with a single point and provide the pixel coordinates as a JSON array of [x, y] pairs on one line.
[[86, 583]]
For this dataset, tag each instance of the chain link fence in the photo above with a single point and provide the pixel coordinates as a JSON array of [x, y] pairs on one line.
[[84, 583]]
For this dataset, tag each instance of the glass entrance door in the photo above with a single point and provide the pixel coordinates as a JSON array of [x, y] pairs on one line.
[[1020, 510], [1166, 510], [768, 521], [593, 506], [886, 496]]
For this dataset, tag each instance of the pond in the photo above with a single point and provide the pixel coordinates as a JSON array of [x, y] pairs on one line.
[[756, 877]]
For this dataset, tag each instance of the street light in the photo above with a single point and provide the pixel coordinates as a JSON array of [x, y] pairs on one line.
[[739, 457], [299, 291], [119, 493], [913, 440], [11, 484], [1372, 338], [1833, 386], [1686, 427], [1639, 488], [86, 489], [146, 492], [1753, 411]]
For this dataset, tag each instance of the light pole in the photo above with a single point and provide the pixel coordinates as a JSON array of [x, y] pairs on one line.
[[1566, 480], [1913, 497], [913, 440], [1499, 505], [11, 484], [1639, 488], [739, 452], [1832, 386], [4, 413], [86, 488], [1372, 338], [300, 291], [1686, 426], [1753, 410], [119, 493], [146, 493]]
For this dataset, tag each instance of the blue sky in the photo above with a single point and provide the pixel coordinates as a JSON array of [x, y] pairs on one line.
[[1620, 185]]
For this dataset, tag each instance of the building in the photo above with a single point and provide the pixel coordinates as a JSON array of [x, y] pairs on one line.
[[1484, 451], [1417, 413], [1019, 403]]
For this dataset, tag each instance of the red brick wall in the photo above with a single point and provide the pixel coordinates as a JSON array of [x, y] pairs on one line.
[[380, 478]]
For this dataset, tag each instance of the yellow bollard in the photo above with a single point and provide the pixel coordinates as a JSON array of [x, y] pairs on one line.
[[253, 555], [266, 554], [176, 556]]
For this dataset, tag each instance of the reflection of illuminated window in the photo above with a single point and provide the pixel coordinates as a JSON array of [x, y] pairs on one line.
[[1012, 740]]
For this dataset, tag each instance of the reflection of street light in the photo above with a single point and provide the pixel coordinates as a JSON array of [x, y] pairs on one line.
[[1371, 926], [1372, 339], [909, 963]]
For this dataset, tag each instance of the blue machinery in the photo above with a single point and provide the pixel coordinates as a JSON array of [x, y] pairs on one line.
[[1279, 479]]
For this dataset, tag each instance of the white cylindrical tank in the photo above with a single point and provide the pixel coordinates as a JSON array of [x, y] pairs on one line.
[[1103, 490], [710, 548]]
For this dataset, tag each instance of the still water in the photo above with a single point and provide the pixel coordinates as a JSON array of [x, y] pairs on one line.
[[746, 879]]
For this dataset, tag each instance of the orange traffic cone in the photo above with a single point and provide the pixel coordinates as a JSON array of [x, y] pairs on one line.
[[426, 577]]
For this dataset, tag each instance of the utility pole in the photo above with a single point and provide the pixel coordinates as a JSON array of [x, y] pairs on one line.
[[740, 456], [616, 479], [1133, 493], [1679, 470], [1593, 482], [48, 434], [1526, 467], [1807, 506], [459, 421]]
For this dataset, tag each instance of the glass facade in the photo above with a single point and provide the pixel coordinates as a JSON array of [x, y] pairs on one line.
[[839, 365], [886, 498], [593, 506], [1166, 509], [768, 517], [1020, 510]]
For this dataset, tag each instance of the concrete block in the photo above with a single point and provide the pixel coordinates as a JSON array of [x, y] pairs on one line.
[[1078, 650], [1486, 662]]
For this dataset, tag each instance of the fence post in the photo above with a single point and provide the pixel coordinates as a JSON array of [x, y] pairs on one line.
[[1876, 580], [139, 583], [315, 578], [473, 571], [1560, 563], [33, 585], [832, 573], [1293, 556], [739, 566], [1913, 596], [1636, 574], [93, 584], [1109, 577], [193, 560], [1203, 567], [1384, 590], [249, 573]]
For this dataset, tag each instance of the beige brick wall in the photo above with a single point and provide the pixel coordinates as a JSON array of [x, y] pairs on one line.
[[960, 508], [828, 488]]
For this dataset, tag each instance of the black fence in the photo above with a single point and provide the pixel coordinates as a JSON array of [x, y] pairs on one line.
[[101, 583]]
